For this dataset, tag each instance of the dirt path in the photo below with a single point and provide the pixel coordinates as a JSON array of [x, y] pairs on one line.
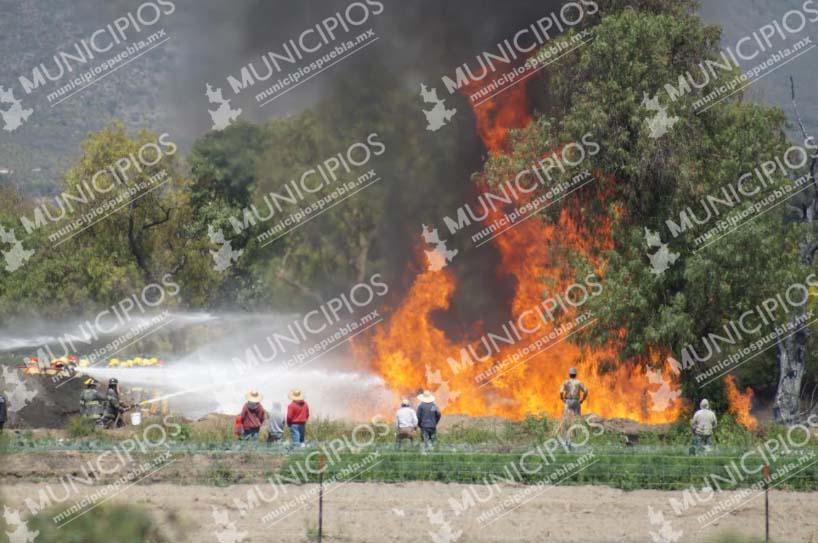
[[399, 512]]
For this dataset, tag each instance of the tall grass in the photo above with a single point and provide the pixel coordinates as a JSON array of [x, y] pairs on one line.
[[80, 427], [626, 470], [216, 433]]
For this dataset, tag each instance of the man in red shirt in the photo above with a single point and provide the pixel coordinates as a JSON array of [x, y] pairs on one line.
[[252, 416], [298, 412]]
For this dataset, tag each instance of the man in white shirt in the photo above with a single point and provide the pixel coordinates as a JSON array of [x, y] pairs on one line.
[[276, 422], [703, 423], [406, 420]]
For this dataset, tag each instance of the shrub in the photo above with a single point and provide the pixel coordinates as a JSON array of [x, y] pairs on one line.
[[81, 427], [107, 523]]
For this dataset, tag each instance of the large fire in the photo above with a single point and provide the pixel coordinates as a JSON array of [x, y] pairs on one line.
[[740, 403], [519, 378]]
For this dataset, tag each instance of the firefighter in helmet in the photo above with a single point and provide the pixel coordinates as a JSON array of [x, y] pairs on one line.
[[113, 407], [92, 402]]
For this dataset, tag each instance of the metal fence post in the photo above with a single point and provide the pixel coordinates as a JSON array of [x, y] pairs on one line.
[[766, 503], [320, 498]]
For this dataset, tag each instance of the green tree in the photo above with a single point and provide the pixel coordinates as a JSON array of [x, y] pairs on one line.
[[346, 242], [141, 234], [644, 181]]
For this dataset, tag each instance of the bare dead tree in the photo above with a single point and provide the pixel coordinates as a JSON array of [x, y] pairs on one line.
[[792, 348]]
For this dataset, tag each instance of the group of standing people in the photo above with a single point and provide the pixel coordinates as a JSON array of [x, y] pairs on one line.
[[106, 410], [253, 417], [426, 417], [103, 409]]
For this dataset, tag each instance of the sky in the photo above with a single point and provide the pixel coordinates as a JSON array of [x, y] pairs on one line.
[[204, 42]]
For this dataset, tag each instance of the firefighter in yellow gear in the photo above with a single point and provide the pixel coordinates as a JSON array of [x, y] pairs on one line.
[[92, 402]]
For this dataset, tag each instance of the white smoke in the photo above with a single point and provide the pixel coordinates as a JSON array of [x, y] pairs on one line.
[[216, 377]]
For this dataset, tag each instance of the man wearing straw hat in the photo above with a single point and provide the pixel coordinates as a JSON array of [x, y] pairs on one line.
[[252, 416], [298, 412], [428, 417]]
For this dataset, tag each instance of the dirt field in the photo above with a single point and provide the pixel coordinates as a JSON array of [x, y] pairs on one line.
[[398, 512]]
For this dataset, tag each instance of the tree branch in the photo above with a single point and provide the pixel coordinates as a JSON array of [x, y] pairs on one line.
[[133, 245], [809, 252], [160, 221], [178, 266], [282, 274], [804, 133]]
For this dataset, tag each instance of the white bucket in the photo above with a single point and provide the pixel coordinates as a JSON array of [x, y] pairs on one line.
[[136, 418]]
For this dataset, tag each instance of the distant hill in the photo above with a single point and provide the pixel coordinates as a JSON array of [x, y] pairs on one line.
[[31, 33], [164, 89]]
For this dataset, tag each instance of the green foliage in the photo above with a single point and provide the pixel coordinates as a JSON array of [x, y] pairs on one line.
[[642, 182], [221, 475], [464, 433], [535, 427], [5, 442], [78, 427], [324, 429], [223, 163], [628, 470], [730, 433], [597, 89], [219, 434], [243, 165], [120, 523], [185, 433], [145, 240]]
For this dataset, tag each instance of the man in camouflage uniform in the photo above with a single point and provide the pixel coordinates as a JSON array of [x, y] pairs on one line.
[[573, 393], [92, 402]]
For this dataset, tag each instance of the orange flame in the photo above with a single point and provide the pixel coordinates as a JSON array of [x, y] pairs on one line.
[[740, 403], [411, 352], [496, 116]]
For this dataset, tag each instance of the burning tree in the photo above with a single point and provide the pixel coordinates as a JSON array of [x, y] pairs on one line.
[[651, 179], [656, 157]]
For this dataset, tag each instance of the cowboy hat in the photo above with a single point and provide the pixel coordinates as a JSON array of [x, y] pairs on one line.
[[296, 394], [254, 396], [426, 396]]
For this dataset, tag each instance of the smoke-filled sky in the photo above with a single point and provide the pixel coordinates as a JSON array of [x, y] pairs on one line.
[[209, 40]]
